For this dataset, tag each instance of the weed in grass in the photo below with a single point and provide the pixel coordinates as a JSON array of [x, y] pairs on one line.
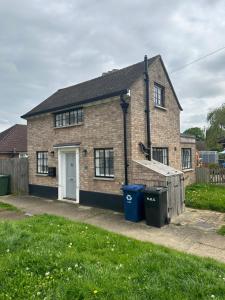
[[222, 230], [6, 206]]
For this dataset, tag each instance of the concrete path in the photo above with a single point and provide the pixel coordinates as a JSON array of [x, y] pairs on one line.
[[193, 232]]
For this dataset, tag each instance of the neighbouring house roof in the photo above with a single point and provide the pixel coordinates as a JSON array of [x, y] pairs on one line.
[[221, 140], [108, 85], [14, 139]]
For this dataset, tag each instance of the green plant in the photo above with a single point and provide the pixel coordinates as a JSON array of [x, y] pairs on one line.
[[213, 166]]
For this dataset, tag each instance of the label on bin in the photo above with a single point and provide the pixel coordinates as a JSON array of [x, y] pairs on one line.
[[151, 199], [129, 198]]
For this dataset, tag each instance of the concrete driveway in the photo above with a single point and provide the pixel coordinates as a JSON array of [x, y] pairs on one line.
[[193, 232]]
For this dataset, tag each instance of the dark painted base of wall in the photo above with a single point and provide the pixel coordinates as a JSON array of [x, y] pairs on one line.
[[43, 191], [102, 200], [95, 199]]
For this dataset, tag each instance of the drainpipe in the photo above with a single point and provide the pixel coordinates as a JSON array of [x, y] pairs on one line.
[[147, 108], [124, 105]]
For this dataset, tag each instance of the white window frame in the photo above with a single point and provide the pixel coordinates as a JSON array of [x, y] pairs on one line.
[[159, 95], [187, 162]]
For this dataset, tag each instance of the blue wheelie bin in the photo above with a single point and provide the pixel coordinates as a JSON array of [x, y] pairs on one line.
[[133, 199]]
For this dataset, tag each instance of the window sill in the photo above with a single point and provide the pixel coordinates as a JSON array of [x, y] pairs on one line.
[[187, 170], [68, 126], [161, 107], [41, 175], [104, 178]]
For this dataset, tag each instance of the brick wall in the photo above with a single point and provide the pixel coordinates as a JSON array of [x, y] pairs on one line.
[[102, 128], [189, 175], [165, 122]]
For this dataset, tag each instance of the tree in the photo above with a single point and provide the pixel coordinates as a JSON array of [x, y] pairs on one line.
[[216, 130], [197, 132]]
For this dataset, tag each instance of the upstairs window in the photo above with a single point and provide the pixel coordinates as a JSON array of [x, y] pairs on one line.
[[161, 155], [186, 158], [104, 162], [159, 95], [42, 162], [68, 118]]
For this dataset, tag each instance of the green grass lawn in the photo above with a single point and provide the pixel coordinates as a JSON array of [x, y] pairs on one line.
[[5, 206], [205, 196], [222, 230], [48, 257]]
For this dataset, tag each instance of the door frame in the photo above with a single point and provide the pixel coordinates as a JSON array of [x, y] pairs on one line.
[[62, 172]]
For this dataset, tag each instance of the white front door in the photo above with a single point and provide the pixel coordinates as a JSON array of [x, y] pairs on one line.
[[70, 176]]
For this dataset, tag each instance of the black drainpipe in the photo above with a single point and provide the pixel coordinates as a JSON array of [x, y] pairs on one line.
[[147, 109], [124, 105]]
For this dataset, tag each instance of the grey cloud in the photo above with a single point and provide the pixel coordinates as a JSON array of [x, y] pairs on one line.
[[45, 46]]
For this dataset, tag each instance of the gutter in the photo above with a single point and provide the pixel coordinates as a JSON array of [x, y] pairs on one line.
[[124, 105], [147, 108]]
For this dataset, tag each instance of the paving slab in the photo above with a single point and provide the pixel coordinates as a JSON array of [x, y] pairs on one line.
[[195, 231]]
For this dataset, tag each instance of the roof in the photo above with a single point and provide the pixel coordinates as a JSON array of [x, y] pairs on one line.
[[158, 167], [184, 135], [221, 140], [108, 85], [14, 139]]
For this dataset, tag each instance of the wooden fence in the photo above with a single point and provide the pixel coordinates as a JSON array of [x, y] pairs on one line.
[[17, 168], [206, 175]]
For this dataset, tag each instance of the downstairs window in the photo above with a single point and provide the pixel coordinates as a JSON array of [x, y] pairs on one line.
[[104, 163], [186, 158], [42, 162]]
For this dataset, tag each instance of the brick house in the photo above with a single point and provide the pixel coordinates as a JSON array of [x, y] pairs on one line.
[[86, 140], [13, 142]]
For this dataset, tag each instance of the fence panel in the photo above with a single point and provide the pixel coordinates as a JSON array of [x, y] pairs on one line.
[[202, 175], [217, 175], [206, 175], [17, 168]]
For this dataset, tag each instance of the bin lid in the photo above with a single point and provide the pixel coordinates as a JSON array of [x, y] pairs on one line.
[[155, 190], [133, 187], [2, 175]]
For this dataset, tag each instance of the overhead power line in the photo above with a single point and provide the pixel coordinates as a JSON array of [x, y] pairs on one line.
[[197, 60]]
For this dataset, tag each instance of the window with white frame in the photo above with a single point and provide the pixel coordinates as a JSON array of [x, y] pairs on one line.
[[42, 162], [160, 154], [104, 162], [186, 158], [159, 95], [71, 117]]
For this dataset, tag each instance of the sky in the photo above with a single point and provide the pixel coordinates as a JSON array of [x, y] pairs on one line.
[[47, 45]]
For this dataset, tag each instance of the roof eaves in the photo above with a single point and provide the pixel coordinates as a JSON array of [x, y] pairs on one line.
[[75, 104]]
